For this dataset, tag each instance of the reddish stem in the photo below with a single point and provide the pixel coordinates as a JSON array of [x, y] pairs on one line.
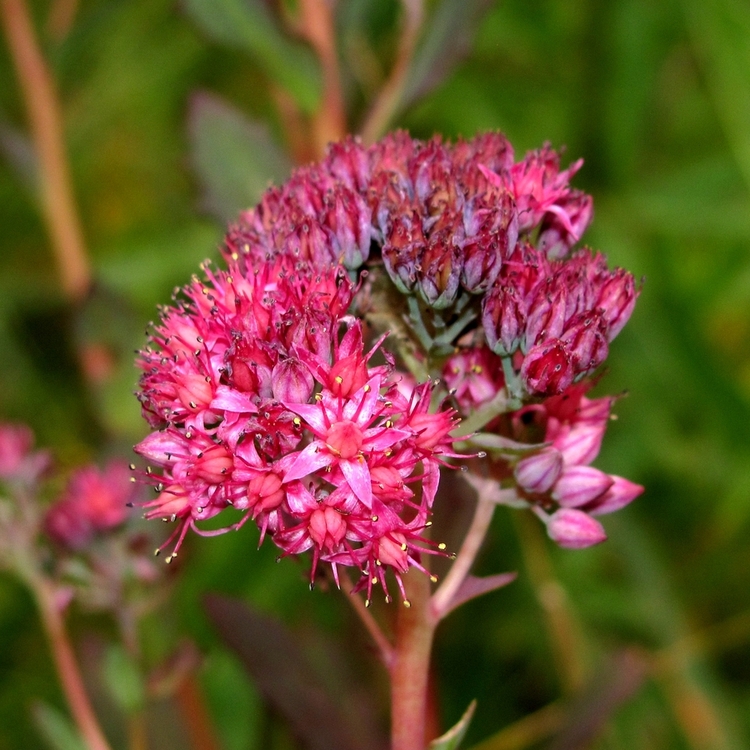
[[194, 711], [43, 110], [415, 629], [329, 123], [67, 667], [389, 98]]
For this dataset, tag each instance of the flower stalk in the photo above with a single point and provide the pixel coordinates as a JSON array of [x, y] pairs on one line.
[[43, 107], [415, 630], [67, 665]]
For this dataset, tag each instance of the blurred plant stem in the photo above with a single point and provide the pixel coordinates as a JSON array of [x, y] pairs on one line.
[[197, 719], [384, 646], [385, 105], [62, 13], [66, 664], [42, 105], [329, 122], [415, 629]]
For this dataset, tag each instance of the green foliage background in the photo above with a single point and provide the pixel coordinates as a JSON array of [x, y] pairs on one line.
[[656, 97]]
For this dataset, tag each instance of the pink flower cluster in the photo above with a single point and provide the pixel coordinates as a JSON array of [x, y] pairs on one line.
[[466, 230], [269, 404], [260, 381], [19, 463], [93, 502], [560, 476]]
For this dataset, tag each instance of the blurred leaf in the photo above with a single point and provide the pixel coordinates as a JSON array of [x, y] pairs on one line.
[[124, 679], [615, 683], [474, 586], [721, 32], [451, 740], [446, 40], [249, 25], [283, 673], [57, 730], [235, 158]]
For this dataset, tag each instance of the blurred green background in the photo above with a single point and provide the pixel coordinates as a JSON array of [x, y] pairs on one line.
[[173, 121]]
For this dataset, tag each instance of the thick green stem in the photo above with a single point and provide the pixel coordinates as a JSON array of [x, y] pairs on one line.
[[415, 628]]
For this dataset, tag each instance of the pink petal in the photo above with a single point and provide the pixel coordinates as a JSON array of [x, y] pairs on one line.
[[230, 399], [357, 475], [308, 461], [159, 447], [313, 414]]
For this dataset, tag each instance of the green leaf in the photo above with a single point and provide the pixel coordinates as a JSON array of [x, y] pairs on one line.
[[57, 730], [453, 737], [248, 25], [235, 158], [124, 679]]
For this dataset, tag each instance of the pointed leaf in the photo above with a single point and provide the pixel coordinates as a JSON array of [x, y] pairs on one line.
[[248, 25], [453, 737], [58, 731], [234, 157], [474, 586]]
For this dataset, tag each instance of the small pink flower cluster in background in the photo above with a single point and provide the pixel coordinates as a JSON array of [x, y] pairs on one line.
[[19, 463], [267, 394], [94, 501]]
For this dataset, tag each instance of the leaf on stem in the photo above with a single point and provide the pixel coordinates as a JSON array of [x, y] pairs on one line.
[[56, 729], [273, 656], [453, 737], [234, 157], [248, 25], [474, 586]]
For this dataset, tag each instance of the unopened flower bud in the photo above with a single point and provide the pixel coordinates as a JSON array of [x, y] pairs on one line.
[[586, 338], [439, 273], [621, 493], [617, 299], [348, 218], [400, 251], [539, 472], [574, 529], [548, 368], [579, 485], [546, 318], [391, 550], [327, 528], [504, 319], [292, 381]]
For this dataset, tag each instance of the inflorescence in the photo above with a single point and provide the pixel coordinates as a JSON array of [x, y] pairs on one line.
[[269, 391]]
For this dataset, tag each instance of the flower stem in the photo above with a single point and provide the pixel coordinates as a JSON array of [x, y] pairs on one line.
[[67, 666], [378, 636], [389, 98], [415, 629], [441, 600], [58, 203], [329, 123]]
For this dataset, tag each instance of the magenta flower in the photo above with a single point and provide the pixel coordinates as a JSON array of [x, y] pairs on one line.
[[275, 388], [94, 501]]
